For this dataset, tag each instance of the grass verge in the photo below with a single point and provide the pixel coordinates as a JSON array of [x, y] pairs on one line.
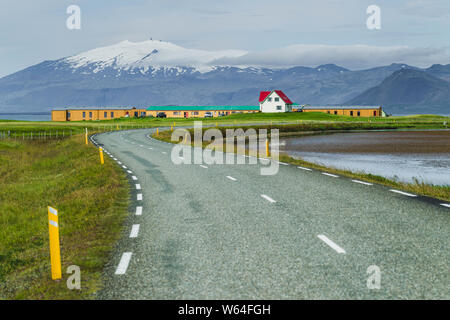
[[418, 187], [92, 201]]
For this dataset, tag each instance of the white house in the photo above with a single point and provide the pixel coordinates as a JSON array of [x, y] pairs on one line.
[[274, 101]]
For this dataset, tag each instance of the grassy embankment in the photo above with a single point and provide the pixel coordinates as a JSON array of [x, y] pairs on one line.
[[440, 192], [92, 201]]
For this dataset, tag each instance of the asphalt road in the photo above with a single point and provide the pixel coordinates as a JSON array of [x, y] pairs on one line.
[[227, 232]]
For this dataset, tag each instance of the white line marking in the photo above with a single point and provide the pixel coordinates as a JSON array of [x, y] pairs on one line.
[[140, 145], [231, 178], [284, 164], [123, 264], [150, 148], [139, 196], [203, 166], [181, 158], [115, 159], [134, 177], [138, 211], [129, 171], [268, 198], [363, 182], [331, 243], [138, 187], [119, 162], [330, 175], [307, 169], [445, 205], [134, 231], [124, 167], [164, 152], [403, 193]]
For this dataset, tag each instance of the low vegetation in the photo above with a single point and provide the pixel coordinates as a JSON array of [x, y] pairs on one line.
[[92, 201], [440, 192]]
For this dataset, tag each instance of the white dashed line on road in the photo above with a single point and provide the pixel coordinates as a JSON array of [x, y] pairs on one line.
[[124, 167], [134, 231], [119, 162], [134, 178], [445, 205], [268, 198], [403, 193], [283, 163], [123, 264], [138, 187], [363, 182], [164, 152], [330, 175], [129, 171], [115, 159], [139, 196], [205, 167], [138, 211], [331, 243], [231, 178], [306, 169]]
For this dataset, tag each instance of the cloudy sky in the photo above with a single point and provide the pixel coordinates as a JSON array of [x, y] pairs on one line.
[[275, 33]]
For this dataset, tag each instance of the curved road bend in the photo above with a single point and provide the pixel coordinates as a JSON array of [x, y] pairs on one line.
[[226, 232]]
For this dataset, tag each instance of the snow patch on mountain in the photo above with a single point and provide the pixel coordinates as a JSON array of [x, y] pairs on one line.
[[149, 55]]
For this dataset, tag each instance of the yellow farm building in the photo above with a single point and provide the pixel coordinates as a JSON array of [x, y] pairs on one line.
[[270, 101]]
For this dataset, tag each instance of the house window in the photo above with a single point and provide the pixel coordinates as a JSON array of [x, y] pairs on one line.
[[112, 114], [328, 111], [374, 113], [84, 114], [269, 99], [335, 112], [277, 99], [136, 114], [351, 113], [90, 115], [176, 113], [359, 114], [68, 115], [106, 114], [278, 107]]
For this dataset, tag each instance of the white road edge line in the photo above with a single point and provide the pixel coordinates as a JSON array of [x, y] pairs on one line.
[[203, 166], [445, 205], [268, 198], [303, 168], [363, 182], [134, 178], [139, 196], [134, 231], [138, 187], [330, 175], [138, 211], [123, 264], [231, 178], [331, 243], [129, 171], [403, 193]]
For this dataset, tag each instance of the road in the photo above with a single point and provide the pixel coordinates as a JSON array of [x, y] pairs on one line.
[[227, 232]]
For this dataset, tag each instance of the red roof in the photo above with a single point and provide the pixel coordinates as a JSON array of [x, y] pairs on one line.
[[263, 95]]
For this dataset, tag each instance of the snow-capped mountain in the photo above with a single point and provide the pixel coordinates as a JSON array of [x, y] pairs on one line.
[[148, 56], [161, 73]]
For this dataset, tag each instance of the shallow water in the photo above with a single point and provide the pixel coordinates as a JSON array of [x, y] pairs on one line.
[[399, 155]]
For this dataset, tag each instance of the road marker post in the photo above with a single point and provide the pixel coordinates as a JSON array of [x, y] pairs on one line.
[[55, 250], [86, 136], [267, 148], [157, 131], [102, 160]]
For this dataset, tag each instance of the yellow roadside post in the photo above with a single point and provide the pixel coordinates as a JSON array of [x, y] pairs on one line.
[[171, 128], [267, 148], [86, 136], [55, 253], [117, 126], [157, 131], [102, 160]]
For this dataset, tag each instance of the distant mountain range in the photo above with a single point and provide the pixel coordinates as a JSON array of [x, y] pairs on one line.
[[160, 73]]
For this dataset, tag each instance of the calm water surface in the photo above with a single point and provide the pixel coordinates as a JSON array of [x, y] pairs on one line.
[[399, 155]]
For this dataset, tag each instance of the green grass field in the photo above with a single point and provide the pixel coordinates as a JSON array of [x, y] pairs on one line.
[[92, 201]]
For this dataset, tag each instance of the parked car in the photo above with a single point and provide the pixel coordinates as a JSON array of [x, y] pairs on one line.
[[161, 115], [208, 114]]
